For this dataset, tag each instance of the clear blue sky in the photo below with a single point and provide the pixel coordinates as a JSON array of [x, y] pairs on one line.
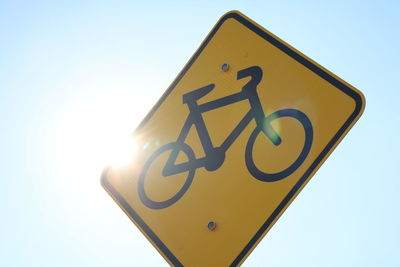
[[77, 76]]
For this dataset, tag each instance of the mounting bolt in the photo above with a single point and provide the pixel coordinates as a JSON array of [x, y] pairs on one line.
[[225, 67], [211, 225]]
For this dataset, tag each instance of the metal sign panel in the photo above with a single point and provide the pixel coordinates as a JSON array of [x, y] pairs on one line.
[[230, 144]]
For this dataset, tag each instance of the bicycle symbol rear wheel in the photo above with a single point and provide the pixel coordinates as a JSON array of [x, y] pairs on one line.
[[175, 146], [272, 177]]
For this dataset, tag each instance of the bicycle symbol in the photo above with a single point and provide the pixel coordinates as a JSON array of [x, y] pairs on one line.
[[215, 155]]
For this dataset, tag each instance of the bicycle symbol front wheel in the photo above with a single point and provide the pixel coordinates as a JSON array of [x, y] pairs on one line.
[[174, 147], [272, 177]]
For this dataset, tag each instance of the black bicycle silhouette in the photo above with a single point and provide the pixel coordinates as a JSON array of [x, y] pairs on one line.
[[215, 156]]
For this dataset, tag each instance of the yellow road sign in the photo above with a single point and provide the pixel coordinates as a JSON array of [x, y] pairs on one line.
[[230, 144]]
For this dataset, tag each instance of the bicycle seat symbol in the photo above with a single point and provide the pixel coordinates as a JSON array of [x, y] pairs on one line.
[[215, 155]]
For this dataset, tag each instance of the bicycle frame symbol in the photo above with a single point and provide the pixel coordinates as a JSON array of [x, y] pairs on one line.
[[215, 156]]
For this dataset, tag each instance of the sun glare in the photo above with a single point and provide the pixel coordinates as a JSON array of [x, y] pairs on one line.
[[98, 131], [122, 152]]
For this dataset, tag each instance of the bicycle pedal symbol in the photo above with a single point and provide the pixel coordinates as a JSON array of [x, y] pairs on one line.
[[215, 155]]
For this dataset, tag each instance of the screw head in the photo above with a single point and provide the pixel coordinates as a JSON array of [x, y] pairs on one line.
[[225, 67], [211, 225]]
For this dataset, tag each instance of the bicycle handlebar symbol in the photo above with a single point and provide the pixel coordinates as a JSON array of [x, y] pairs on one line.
[[215, 156]]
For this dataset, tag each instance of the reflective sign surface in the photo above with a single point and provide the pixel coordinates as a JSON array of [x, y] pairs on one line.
[[229, 145]]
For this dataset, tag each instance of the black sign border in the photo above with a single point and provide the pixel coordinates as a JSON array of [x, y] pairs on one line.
[[359, 100]]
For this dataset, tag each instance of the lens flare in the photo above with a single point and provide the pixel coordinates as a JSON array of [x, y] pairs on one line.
[[272, 127], [150, 143]]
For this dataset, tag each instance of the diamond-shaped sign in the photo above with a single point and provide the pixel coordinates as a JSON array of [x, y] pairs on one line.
[[230, 144]]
